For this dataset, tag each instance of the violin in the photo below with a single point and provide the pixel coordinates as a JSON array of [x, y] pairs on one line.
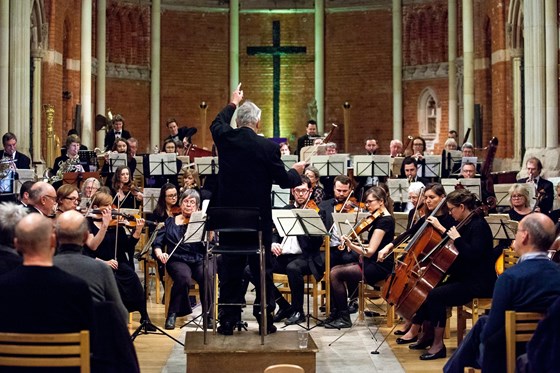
[[362, 226], [349, 205], [311, 205], [175, 210], [121, 218]]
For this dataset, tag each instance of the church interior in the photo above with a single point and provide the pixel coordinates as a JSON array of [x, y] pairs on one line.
[[362, 69]]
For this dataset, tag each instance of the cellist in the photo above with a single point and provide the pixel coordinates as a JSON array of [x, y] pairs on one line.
[[470, 276]]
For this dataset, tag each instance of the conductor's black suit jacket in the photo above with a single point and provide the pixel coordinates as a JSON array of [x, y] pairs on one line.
[[248, 166]]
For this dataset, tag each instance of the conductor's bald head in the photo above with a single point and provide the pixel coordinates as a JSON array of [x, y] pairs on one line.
[[34, 239], [71, 228]]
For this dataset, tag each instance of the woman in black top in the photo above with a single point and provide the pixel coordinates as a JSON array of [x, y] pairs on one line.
[[126, 194], [381, 233], [470, 276], [183, 261]]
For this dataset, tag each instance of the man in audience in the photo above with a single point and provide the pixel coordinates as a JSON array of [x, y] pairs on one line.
[[9, 141], [24, 192], [42, 199], [530, 285], [10, 215], [71, 232], [42, 298], [541, 185]]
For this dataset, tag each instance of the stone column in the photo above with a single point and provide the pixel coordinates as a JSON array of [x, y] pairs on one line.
[[20, 71], [4, 65], [468, 65], [397, 70], [155, 74], [233, 45], [551, 32], [320, 64], [85, 73], [101, 38], [37, 104], [539, 52], [528, 70], [517, 104], [452, 60]]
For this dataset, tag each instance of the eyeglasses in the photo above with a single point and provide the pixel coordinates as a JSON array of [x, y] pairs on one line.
[[452, 208], [190, 202], [301, 191], [171, 196], [73, 199], [517, 196], [417, 144], [368, 201]]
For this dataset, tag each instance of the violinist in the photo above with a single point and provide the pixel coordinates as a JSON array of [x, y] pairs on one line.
[[296, 256], [89, 188], [534, 168], [126, 195], [317, 190], [183, 261], [470, 276], [345, 276], [67, 198], [342, 189], [109, 241]]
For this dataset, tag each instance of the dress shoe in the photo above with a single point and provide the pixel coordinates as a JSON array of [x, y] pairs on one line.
[[342, 322], [269, 330], [283, 313], [353, 306], [148, 326], [402, 341], [369, 313], [170, 321], [296, 318], [438, 355], [225, 328], [421, 345], [401, 332]]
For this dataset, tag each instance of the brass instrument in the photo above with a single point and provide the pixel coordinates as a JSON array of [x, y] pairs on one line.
[[405, 146], [69, 165]]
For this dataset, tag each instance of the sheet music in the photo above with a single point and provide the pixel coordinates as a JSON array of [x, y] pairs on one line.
[[401, 222], [280, 197], [341, 219], [298, 222], [163, 164], [195, 228], [330, 165], [502, 227], [473, 185], [373, 165], [312, 222], [397, 164], [289, 161], [207, 165], [151, 196], [117, 160], [431, 166], [398, 190]]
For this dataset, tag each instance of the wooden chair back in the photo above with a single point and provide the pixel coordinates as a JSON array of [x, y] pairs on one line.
[[284, 368], [520, 327], [45, 350]]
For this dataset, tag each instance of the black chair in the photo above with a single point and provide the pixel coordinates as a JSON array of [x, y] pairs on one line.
[[238, 232]]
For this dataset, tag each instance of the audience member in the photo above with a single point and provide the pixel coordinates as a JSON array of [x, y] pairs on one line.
[[10, 215], [42, 199]]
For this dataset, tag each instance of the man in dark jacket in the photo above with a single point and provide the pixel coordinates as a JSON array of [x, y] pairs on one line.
[[249, 164]]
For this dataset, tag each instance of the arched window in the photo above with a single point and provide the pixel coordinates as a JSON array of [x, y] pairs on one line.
[[429, 114]]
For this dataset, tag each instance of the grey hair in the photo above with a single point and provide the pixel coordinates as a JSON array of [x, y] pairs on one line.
[[415, 188], [248, 114], [190, 193], [10, 215], [37, 191]]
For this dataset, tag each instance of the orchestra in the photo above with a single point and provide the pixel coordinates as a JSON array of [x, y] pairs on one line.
[[442, 227]]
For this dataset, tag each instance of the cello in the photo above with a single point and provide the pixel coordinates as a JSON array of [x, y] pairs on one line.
[[423, 241], [430, 270]]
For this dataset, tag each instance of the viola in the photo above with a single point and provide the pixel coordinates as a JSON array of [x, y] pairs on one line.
[[349, 205], [175, 210], [362, 226], [311, 205]]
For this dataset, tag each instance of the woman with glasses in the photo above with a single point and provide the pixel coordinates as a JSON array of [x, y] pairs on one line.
[[344, 276], [470, 276], [317, 190], [519, 202], [68, 198], [183, 261]]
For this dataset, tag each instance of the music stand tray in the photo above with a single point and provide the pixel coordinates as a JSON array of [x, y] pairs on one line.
[[372, 165], [503, 228], [398, 190], [163, 164], [207, 165], [401, 222], [346, 221], [280, 197], [397, 165], [331, 165], [298, 222], [431, 167], [151, 196], [472, 185], [117, 160]]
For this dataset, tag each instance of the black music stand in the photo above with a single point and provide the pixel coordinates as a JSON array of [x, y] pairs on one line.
[[300, 222], [88, 157], [117, 160]]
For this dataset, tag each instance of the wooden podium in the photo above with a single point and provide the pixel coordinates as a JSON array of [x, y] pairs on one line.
[[243, 352]]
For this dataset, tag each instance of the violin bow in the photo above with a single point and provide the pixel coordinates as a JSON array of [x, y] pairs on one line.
[[364, 250]]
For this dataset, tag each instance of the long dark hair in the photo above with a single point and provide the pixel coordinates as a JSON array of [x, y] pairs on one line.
[[117, 184], [161, 206]]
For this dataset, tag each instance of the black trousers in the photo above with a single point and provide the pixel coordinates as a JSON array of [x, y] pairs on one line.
[[296, 267], [183, 274]]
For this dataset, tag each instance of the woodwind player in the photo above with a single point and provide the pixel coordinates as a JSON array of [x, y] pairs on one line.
[[534, 168]]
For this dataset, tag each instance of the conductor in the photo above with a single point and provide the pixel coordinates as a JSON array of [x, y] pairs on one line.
[[248, 164]]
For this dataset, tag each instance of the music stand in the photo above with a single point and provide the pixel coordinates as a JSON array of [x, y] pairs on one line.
[[330, 165], [431, 167], [308, 151], [401, 222], [372, 165], [503, 228], [340, 219], [473, 185], [452, 160], [397, 165], [300, 222], [163, 164], [117, 160], [280, 197], [151, 196], [207, 165], [289, 161], [89, 157], [398, 190], [502, 195], [139, 167]]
